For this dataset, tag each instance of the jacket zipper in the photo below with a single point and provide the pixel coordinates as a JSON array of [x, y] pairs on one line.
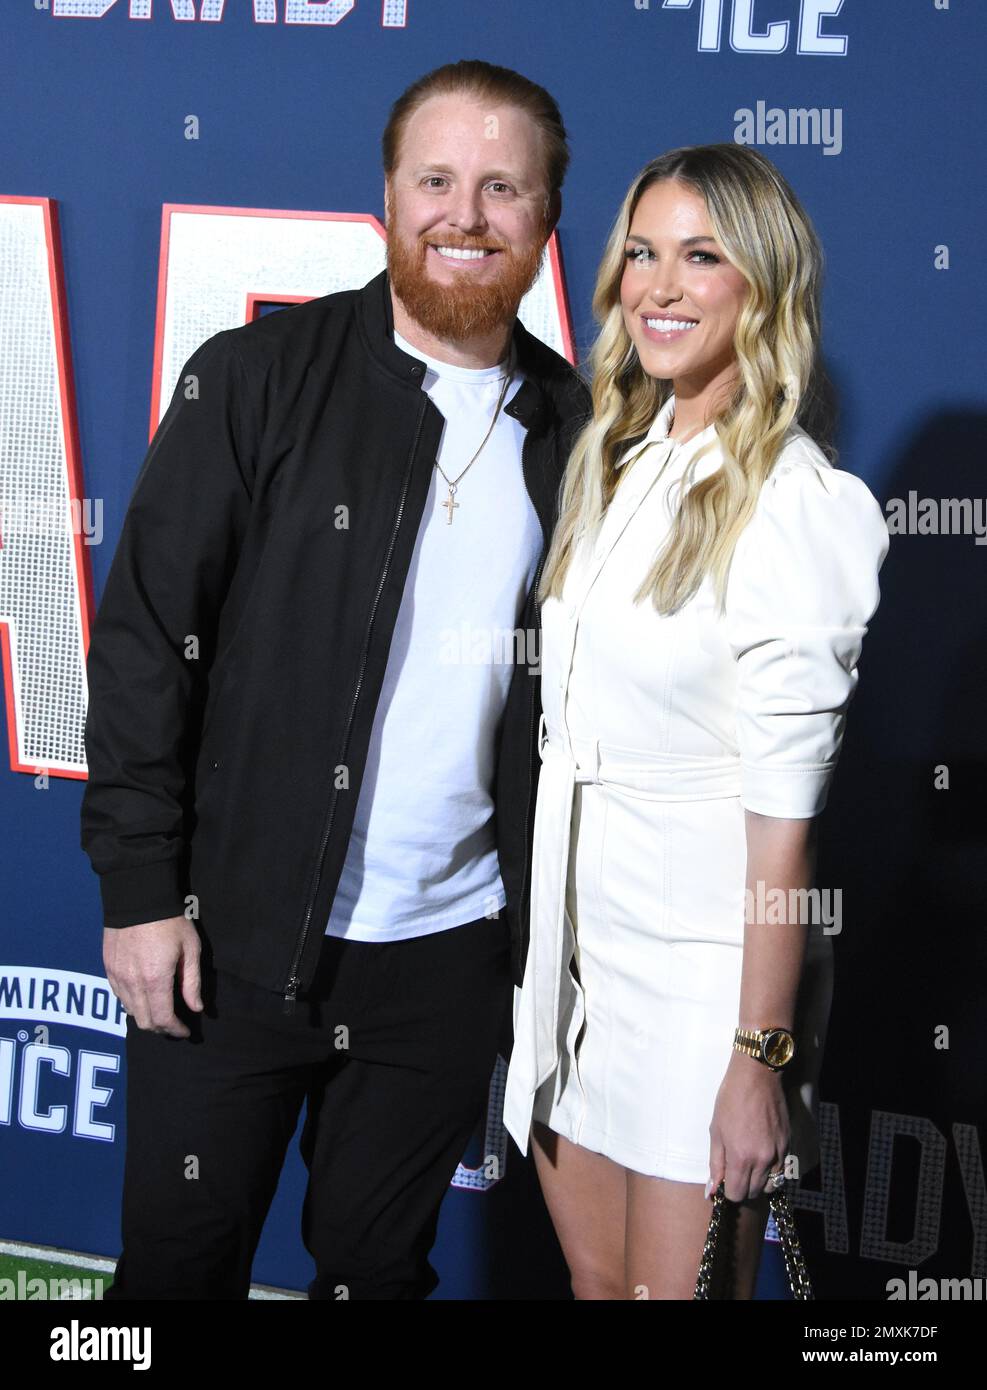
[[531, 740], [294, 980], [531, 728]]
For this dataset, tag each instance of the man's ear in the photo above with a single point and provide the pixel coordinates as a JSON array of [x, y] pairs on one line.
[[554, 213], [387, 199]]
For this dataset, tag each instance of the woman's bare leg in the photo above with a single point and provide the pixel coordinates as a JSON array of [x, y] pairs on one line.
[[586, 1196], [666, 1229]]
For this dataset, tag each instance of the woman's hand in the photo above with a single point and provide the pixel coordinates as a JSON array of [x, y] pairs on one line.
[[749, 1133]]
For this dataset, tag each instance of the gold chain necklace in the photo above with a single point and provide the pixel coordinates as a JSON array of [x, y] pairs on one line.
[[452, 483]]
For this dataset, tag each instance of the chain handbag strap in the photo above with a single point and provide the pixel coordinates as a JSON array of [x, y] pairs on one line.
[[798, 1275]]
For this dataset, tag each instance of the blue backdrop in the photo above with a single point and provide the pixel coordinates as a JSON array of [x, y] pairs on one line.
[[93, 115]]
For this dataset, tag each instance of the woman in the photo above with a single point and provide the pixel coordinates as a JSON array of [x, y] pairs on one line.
[[705, 599]]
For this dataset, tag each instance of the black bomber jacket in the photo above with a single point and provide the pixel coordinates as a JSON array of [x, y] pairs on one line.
[[237, 656]]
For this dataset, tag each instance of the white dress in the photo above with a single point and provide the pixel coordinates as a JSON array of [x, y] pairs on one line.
[[657, 733]]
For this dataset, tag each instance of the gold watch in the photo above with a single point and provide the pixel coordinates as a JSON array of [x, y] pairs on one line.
[[774, 1047]]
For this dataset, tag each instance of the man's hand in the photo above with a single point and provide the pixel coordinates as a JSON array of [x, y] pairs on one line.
[[140, 964]]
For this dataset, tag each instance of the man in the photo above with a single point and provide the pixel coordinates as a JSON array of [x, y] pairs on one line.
[[297, 781]]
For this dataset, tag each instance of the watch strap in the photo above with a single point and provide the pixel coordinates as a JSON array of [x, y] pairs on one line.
[[751, 1041]]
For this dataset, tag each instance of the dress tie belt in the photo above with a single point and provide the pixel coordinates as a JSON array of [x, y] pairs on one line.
[[658, 776]]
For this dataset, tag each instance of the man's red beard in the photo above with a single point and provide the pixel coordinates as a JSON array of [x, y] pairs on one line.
[[466, 310]]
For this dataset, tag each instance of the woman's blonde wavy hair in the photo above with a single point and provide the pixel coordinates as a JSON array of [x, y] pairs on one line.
[[765, 233]]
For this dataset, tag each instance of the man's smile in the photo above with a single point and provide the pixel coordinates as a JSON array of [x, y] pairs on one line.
[[461, 256]]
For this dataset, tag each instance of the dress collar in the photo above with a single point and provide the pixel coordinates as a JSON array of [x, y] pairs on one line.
[[659, 432]]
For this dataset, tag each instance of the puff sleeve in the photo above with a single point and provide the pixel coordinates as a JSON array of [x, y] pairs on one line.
[[803, 585]]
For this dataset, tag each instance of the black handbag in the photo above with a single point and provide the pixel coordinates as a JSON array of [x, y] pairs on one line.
[[713, 1270]]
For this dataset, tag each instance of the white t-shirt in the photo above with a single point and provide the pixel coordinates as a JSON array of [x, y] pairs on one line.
[[422, 855]]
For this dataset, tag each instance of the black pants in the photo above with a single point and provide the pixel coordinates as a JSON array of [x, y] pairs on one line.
[[393, 1050]]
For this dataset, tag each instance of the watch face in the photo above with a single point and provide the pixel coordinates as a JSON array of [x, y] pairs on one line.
[[778, 1047]]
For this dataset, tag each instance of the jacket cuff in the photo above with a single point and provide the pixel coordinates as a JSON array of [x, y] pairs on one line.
[[144, 893]]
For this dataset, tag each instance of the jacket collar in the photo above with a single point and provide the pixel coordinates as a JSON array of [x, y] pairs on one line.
[[539, 364]]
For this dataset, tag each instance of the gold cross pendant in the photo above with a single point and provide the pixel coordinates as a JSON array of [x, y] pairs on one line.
[[449, 504]]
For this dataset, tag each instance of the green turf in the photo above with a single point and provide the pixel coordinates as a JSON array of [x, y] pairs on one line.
[[51, 1269], [10, 1265]]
